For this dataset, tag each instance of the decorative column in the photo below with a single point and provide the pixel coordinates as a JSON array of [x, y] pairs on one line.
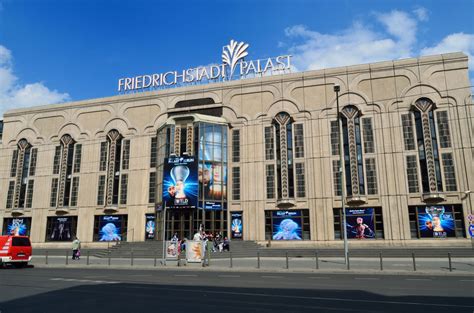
[[66, 140], [113, 136], [22, 146], [189, 139], [351, 113], [283, 119], [177, 140]]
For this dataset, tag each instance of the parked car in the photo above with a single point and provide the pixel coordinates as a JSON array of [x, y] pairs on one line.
[[15, 250]]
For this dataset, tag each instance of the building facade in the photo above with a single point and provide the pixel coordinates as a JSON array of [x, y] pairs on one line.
[[263, 157]]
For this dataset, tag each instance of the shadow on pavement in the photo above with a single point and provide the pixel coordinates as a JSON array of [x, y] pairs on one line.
[[127, 297]]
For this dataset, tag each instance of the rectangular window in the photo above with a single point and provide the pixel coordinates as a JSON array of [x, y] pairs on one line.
[[236, 145], [57, 156], [236, 183], [270, 174], [412, 174], [74, 190], [33, 160], [153, 152], [334, 138], [123, 188], [103, 156], [368, 134], [54, 192], [449, 173], [371, 173], [300, 180], [269, 143], [11, 189], [125, 154], [101, 190], [408, 134], [29, 193], [14, 163], [152, 188], [443, 129], [336, 177], [77, 158], [299, 140]]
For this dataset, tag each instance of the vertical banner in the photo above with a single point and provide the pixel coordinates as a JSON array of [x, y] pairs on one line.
[[17, 226], [172, 250], [286, 225], [194, 251], [436, 222], [150, 226], [180, 183], [360, 223], [236, 225]]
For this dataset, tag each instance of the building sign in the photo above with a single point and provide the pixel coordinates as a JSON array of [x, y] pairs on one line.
[[436, 222], [233, 65], [286, 225], [17, 226], [180, 183], [360, 223], [150, 226], [236, 225]]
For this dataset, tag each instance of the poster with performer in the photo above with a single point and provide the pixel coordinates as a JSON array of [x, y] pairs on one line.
[[360, 223], [150, 226], [180, 183], [236, 226], [194, 251], [436, 222], [17, 226], [172, 250], [286, 225]]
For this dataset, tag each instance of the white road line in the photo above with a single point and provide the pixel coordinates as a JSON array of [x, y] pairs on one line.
[[228, 275], [366, 278], [417, 279], [185, 275], [319, 277], [467, 280], [84, 280], [271, 276]]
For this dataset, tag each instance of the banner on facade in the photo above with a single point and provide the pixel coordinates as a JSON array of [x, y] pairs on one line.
[[180, 183], [61, 228], [286, 225], [436, 222], [194, 251], [150, 226], [17, 226], [360, 223], [110, 228], [236, 225]]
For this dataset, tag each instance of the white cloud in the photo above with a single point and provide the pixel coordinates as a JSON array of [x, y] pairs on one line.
[[15, 95], [395, 38]]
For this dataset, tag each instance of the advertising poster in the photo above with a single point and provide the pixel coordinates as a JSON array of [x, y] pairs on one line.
[[172, 250], [17, 226], [180, 183], [194, 251], [110, 228], [436, 222], [150, 226], [212, 182], [360, 223], [61, 228], [236, 225], [286, 225]]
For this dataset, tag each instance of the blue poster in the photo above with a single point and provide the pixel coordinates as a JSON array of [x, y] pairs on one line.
[[150, 226], [236, 225], [110, 228], [286, 225], [360, 223], [180, 183], [17, 226], [436, 222]]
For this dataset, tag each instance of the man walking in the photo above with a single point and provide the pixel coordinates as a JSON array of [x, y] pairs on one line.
[[76, 245]]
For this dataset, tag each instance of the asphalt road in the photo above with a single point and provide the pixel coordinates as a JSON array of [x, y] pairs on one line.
[[96, 290]]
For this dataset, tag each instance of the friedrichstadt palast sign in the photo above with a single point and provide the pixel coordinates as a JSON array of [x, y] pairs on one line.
[[233, 64]]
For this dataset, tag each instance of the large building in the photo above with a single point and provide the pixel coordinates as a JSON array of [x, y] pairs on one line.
[[256, 159]]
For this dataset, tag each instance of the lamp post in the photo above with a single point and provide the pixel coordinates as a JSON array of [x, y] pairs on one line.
[[337, 88], [163, 260]]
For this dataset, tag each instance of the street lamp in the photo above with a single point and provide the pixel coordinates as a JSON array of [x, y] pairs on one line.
[[337, 88]]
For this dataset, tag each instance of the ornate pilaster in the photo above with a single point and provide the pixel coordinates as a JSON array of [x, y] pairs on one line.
[[283, 119], [351, 113], [113, 136], [22, 146], [177, 140], [66, 140], [189, 139]]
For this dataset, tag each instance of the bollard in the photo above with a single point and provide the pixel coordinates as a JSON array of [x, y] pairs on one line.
[[287, 265], [108, 261], [449, 259], [231, 260], [348, 262], [317, 260], [46, 260], [258, 259], [67, 257], [381, 261], [414, 262], [88, 255], [131, 258], [156, 256], [179, 259]]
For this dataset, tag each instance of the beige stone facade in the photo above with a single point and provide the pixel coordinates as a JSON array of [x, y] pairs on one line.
[[380, 93]]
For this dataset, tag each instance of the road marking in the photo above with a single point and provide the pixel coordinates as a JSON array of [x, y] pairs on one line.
[[271, 276], [228, 275], [366, 278], [466, 280], [319, 277], [185, 275], [417, 279], [84, 280]]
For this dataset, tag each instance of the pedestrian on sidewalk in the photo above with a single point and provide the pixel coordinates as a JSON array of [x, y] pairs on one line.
[[76, 245]]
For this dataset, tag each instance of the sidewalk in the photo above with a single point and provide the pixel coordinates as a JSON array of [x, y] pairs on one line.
[[423, 266]]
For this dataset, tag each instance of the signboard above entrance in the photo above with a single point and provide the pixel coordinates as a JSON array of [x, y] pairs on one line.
[[233, 65]]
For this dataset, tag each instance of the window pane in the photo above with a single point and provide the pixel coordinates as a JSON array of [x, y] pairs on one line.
[[269, 143], [57, 155], [125, 154], [449, 173], [412, 174], [14, 163], [299, 141], [77, 158], [152, 188], [34, 156], [236, 183], [11, 189], [270, 175], [123, 188], [103, 156], [300, 180], [54, 192], [29, 194], [334, 138], [336, 176], [443, 129], [371, 173], [368, 134], [408, 135], [101, 190], [153, 151], [236, 145], [74, 191]]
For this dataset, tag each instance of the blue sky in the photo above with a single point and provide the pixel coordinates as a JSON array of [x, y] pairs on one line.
[[56, 51]]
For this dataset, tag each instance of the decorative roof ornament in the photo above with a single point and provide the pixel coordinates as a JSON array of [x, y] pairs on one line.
[[232, 53]]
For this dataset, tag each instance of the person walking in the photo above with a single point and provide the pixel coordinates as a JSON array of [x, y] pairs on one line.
[[76, 245]]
